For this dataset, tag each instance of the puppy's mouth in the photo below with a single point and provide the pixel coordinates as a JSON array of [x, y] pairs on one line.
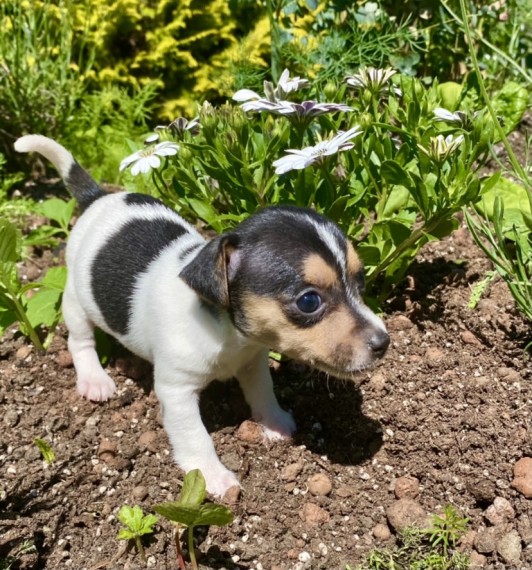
[[352, 373]]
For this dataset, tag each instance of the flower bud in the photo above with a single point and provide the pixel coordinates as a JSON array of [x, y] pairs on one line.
[[365, 120]]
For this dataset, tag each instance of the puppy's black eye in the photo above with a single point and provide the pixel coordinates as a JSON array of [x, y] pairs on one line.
[[309, 302]]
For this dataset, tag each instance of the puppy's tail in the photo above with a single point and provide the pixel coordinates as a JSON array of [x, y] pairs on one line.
[[79, 183]]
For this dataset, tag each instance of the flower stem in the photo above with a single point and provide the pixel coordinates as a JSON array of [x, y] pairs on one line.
[[140, 549]]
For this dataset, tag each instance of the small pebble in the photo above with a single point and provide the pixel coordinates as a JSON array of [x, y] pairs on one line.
[[319, 485], [487, 538], [406, 487], [399, 323], [469, 338], [249, 431], [406, 512], [313, 514], [139, 492], [523, 477], [64, 359], [477, 560], [23, 352], [292, 471], [509, 547], [500, 511], [148, 441], [381, 531]]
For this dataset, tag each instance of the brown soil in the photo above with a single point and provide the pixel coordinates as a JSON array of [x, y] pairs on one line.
[[450, 406]]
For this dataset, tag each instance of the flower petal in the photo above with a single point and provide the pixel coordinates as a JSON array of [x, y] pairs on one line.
[[245, 95]]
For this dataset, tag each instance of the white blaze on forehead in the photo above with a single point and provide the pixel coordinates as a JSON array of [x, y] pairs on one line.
[[330, 239]]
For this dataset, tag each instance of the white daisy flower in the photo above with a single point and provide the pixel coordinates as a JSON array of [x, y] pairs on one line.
[[375, 80], [459, 118], [147, 158], [442, 147], [299, 159], [285, 85]]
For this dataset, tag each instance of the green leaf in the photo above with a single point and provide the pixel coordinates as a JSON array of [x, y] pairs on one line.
[[57, 210], [393, 173], [44, 308], [175, 512], [9, 243], [398, 199], [511, 103], [450, 93], [193, 491], [515, 199], [444, 228], [46, 450], [194, 515], [136, 521], [337, 208], [214, 514]]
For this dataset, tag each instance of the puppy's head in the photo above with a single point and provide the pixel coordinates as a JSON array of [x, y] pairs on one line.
[[292, 281]]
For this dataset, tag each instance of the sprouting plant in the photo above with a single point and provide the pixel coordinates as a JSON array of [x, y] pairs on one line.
[[431, 548], [47, 452], [480, 288], [189, 511], [137, 524], [447, 529]]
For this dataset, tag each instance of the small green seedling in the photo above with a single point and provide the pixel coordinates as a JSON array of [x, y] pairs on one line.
[[189, 511], [48, 454], [137, 524]]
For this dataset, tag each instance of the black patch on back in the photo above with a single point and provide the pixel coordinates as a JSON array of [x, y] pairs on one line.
[[82, 186], [120, 262], [134, 199]]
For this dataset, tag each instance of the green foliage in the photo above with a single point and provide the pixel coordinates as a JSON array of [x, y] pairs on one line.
[[505, 233], [46, 86], [39, 86], [509, 247], [56, 210], [31, 312], [431, 548], [136, 524], [47, 452], [189, 510], [400, 186], [181, 45]]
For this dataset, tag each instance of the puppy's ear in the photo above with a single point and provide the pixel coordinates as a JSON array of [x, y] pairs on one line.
[[211, 271]]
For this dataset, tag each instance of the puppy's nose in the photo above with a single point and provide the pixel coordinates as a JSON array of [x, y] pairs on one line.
[[379, 343]]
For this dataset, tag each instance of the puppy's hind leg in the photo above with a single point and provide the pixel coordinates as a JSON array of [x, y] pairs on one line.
[[256, 382], [92, 381]]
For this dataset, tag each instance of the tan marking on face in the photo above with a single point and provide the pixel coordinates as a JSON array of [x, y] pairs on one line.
[[354, 265], [336, 342], [318, 272]]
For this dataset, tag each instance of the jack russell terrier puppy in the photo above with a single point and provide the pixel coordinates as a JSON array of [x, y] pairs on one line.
[[286, 279]]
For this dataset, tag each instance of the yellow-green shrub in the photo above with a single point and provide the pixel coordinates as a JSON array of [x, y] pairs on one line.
[[185, 46]]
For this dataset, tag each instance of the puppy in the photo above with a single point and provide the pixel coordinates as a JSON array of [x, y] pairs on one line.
[[285, 279]]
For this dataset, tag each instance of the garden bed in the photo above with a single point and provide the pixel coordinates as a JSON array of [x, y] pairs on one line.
[[449, 406]]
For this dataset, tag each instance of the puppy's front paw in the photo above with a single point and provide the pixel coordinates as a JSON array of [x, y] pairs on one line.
[[219, 482], [278, 425], [97, 387]]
